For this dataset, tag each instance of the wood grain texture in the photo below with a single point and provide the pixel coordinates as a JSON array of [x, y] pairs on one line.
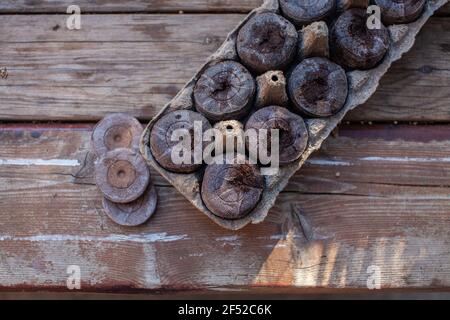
[[373, 196], [133, 6], [137, 63], [128, 6]]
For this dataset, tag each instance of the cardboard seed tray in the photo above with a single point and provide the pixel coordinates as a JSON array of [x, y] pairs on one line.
[[362, 84]]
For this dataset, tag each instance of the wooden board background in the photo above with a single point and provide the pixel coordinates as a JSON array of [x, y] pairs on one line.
[[376, 195]]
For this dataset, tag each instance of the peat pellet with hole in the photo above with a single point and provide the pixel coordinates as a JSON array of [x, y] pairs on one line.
[[231, 191], [304, 12], [224, 91], [293, 134], [400, 11], [163, 142], [267, 42], [318, 87], [116, 131], [354, 45], [134, 213], [122, 175]]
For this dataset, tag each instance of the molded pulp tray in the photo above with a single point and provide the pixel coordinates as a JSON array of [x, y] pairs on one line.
[[362, 84]]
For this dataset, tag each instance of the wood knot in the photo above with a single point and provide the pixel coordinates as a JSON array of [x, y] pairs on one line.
[[3, 73]]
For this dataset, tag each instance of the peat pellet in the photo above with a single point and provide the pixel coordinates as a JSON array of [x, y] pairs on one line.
[[232, 191], [342, 5], [116, 131], [267, 42], [224, 91], [134, 213], [122, 175], [304, 12], [354, 45], [400, 11], [162, 143], [293, 134], [318, 87]]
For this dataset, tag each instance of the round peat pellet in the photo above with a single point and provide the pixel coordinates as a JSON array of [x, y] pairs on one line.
[[116, 131], [318, 87], [134, 213], [162, 144], [267, 42], [353, 45], [225, 91], [304, 12], [232, 191], [292, 132], [400, 11], [122, 175]]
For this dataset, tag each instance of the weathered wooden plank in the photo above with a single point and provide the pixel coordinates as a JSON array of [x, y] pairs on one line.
[[137, 63], [104, 67], [133, 6], [340, 215], [128, 6]]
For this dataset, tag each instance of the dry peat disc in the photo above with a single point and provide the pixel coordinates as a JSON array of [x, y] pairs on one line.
[[134, 213], [122, 175], [116, 131]]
